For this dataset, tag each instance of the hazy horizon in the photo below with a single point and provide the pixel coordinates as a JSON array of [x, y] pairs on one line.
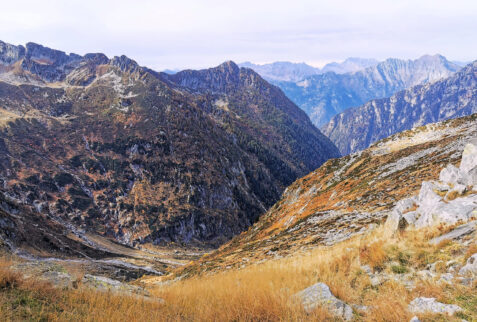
[[188, 34]]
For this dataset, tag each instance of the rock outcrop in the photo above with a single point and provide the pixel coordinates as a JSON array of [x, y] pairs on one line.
[[451, 200], [430, 305], [319, 294]]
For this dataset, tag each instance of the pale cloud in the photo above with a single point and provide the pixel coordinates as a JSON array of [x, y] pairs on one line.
[[194, 34]]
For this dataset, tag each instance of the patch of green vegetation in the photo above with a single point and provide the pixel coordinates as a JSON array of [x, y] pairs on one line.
[[399, 269]]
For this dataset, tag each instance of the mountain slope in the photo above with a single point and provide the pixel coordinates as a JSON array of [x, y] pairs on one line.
[[324, 96], [357, 128], [346, 196], [106, 146]]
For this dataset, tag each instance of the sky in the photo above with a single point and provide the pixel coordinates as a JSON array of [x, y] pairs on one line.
[[180, 34]]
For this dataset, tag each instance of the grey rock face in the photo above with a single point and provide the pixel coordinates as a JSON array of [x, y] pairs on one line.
[[430, 305], [320, 295], [10, 54], [356, 128]]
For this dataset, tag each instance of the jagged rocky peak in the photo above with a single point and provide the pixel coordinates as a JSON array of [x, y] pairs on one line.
[[125, 64], [229, 67], [218, 79], [97, 58]]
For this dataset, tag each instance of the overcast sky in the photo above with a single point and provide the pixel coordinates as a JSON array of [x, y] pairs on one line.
[[195, 34]]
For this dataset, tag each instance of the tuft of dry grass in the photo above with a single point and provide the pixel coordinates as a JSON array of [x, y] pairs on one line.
[[373, 254], [470, 251]]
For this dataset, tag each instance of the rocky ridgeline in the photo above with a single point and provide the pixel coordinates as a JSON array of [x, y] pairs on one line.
[[450, 200]]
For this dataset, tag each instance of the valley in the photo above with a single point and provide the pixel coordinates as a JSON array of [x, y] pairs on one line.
[[209, 195]]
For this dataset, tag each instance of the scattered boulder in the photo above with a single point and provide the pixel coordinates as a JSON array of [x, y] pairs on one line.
[[470, 268], [446, 278], [414, 319], [319, 294], [430, 305], [426, 274]]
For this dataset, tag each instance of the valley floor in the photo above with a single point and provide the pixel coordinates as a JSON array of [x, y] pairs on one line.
[[377, 275]]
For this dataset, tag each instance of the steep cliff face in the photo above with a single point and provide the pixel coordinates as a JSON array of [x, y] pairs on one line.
[[355, 129], [110, 147], [347, 196], [323, 96]]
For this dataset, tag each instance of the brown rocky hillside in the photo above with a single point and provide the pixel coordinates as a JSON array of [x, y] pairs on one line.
[[105, 146]]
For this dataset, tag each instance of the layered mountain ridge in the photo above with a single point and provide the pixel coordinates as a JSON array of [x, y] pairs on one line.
[[356, 128], [323, 96], [107, 146]]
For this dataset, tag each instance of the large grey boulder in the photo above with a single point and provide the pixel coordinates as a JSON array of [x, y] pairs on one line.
[[470, 268], [319, 294], [466, 174], [460, 209], [430, 305]]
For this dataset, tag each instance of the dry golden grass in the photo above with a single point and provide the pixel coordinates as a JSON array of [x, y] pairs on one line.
[[261, 292]]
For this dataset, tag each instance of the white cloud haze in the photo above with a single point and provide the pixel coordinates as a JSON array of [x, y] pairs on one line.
[[195, 34]]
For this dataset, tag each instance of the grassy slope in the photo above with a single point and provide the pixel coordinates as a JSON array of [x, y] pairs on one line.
[[263, 291]]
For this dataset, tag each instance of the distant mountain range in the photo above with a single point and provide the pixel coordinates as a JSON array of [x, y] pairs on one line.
[[355, 129], [103, 145], [293, 72], [325, 95]]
